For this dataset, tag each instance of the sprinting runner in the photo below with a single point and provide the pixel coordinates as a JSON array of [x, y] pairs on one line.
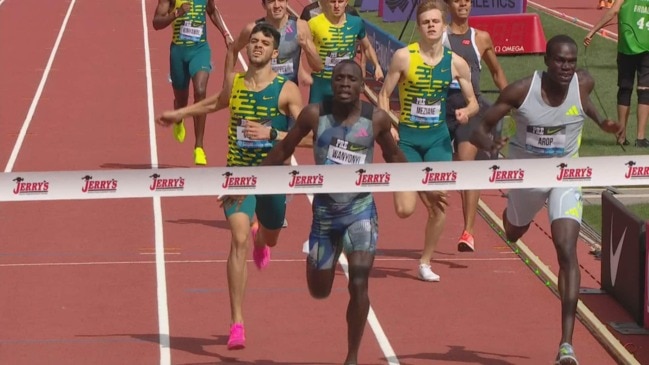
[[190, 57], [260, 102], [549, 109], [342, 126], [335, 35], [424, 71], [474, 46]]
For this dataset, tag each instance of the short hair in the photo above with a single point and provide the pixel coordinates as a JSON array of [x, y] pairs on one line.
[[427, 5], [349, 62], [557, 40], [267, 30]]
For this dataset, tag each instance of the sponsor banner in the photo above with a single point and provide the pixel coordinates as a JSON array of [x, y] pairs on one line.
[[385, 45], [512, 34], [498, 7], [308, 179], [623, 259], [646, 284], [396, 10]]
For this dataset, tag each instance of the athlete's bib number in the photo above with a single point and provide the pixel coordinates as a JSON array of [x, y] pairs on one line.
[[244, 142], [284, 68], [546, 140], [341, 152], [189, 32], [334, 58], [426, 111]]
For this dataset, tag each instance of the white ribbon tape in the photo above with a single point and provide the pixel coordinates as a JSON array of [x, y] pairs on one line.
[[457, 175]]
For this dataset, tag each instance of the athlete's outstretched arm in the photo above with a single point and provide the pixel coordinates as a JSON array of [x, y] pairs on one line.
[[586, 86], [489, 57], [233, 50], [217, 19], [163, 15], [606, 18], [210, 104], [382, 126], [305, 39], [306, 123], [398, 64], [462, 73]]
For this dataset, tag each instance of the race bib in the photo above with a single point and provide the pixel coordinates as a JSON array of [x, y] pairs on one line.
[[189, 32], [426, 111], [546, 140], [341, 152], [285, 68], [334, 58], [245, 142]]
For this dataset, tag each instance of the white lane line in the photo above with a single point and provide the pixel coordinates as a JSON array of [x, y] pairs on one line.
[[224, 261], [39, 91], [161, 276]]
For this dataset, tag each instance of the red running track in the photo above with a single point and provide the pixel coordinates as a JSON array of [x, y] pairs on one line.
[[80, 282]]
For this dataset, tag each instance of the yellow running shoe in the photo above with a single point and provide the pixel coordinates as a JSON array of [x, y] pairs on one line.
[[179, 131], [199, 156]]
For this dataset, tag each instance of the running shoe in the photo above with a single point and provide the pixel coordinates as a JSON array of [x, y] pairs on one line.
[[199, 156], [179, 131], [466, 243], [566, 355], [426, 274], [237, 339], [260, 255], [642, 142]]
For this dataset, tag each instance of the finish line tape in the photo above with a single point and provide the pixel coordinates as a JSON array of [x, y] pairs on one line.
[[310, 179]]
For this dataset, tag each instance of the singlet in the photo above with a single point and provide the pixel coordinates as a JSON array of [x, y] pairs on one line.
[[423, 91], [335, 43], [633, 27], [260, 106], [190, 28], [287, 63], [465, 46], [312, 10], [546, 131], [338, 144]]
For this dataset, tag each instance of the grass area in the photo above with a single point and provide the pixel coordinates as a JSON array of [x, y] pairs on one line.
[[599, 60], [593, 214]]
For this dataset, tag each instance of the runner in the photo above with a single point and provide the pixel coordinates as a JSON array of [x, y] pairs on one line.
[[190, 57], [549, 110]]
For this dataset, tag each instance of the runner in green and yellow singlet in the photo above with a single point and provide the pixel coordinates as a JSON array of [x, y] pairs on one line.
[[260, 103], [190, 57], [424, 70]]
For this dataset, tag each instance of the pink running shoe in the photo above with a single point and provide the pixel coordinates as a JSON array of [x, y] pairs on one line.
[[260, 255], [237, 340], [466, 243]]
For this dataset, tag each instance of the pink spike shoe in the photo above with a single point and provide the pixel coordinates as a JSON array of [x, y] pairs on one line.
[[237, 340]]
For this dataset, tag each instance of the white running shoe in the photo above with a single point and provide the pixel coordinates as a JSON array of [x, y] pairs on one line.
[[426, 274]]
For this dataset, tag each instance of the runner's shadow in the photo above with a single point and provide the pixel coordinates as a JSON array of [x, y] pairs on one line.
[[460, 354], [188, 344], [415, 254], [206, 222], [233, 360], [136, 166], [384, 272]]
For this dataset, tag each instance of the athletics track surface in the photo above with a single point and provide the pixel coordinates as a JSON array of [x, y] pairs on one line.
[[84, 282]]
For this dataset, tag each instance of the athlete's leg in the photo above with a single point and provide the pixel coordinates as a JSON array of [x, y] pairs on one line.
[[405, 202], [271, 210], [200, 66], [643, 96], [199, 81], [522, 206], [435, 202], [325, 246], [467, 151], [180, 77], [626, 71], [360, 265]]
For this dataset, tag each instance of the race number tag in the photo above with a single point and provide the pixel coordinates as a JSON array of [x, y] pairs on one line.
[[245, 142], [334, 58], [546, 140], [341, 152], [426, 111], [282, 68], [191, 32]]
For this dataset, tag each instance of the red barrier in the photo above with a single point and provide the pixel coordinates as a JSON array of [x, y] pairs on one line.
[[513, 34]]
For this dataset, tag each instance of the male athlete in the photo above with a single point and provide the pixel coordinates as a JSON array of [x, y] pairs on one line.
[[260, 102], [474, 46], [335, 34], [424, 71], [549, 110], [190, 57], [342, 126]]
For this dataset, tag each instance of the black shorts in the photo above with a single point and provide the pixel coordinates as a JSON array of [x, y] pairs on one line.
[[462, 132], [630, 66]]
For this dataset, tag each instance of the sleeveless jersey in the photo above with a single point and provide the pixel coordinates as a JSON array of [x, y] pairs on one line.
[[335, 43], [423, 91], [287, 63], [633, 27], [259, 106], [465, 46], [312, 10], [190, 28], [546, 131], [338, 144]]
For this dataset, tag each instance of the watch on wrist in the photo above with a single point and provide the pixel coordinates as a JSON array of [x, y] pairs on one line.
[[273, 134]]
